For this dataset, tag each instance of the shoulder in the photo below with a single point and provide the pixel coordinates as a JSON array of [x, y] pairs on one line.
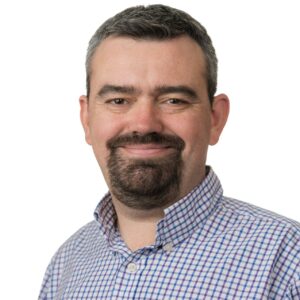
[[259, 228], [75, 248], [268, 236], [81, 239], [245, 211], [277, 236]]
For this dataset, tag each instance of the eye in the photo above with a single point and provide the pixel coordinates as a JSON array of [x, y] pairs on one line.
[[176, 101], [117, 101], [175, 105]]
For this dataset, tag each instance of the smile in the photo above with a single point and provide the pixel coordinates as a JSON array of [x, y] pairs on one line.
[[146, 150]]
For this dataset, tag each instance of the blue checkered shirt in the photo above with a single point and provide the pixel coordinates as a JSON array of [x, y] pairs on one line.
[[207, 247]]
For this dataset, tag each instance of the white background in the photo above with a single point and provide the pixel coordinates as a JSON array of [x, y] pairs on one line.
[[50, 181]]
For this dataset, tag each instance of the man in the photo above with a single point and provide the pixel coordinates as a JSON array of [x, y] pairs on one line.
[[165, 230]]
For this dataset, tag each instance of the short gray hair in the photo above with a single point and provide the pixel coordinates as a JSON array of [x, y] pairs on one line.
[[156, 22]]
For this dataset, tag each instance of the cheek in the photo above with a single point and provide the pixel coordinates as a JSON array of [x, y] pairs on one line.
[[196, 135], [196, 143], [102, 127], [194, 131], [101, 130]]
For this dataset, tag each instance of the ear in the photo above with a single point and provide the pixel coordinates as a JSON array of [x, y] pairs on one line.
[[84, 117], [219, 115]]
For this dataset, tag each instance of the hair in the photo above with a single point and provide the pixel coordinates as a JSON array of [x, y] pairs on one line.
[[156, 22]]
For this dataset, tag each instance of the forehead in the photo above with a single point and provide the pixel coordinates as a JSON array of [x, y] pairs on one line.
[[124, 60]]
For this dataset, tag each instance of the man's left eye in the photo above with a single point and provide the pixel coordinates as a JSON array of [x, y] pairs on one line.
[[176, 101]]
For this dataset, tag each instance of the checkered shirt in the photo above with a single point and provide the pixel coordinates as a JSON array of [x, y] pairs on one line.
[[207, 247]]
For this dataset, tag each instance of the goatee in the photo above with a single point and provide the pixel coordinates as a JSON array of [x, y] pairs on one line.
[[145, 183]]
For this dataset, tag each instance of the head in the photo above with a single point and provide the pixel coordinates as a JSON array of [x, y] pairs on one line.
[[156, 22], [151, 111]]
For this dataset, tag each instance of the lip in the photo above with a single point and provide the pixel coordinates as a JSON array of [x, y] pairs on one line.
[[146, 150]]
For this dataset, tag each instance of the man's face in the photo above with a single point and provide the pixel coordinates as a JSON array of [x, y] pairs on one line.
[[148, 118]]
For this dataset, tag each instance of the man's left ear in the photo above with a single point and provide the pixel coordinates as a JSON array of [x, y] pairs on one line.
[[219, 115]]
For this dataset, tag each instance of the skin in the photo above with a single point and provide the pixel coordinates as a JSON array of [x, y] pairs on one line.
[[128, 94]]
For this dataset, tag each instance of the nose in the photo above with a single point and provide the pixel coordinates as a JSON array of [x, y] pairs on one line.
[[145, 117]]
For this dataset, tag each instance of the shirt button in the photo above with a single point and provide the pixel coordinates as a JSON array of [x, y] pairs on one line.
[[168, 247], [132, 268]]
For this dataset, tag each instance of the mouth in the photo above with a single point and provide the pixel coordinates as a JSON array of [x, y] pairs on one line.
[[146, 150]]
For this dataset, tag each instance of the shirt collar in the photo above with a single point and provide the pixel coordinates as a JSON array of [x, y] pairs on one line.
[[189, 213], [105, 215], [181, 219]]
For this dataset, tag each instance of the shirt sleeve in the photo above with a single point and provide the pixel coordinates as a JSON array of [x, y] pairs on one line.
[[50, 285], [294, 291], [45, 292]]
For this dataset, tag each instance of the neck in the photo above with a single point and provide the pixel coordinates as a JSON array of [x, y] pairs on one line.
[[137, 227]]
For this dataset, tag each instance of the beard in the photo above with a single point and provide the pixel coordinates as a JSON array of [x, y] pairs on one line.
[[145, 183]]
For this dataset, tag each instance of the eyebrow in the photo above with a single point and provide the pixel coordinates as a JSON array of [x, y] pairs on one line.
[[181, 89], [114, 89], [158, 91]]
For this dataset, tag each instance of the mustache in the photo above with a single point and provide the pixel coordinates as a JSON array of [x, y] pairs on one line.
[[168, 140]]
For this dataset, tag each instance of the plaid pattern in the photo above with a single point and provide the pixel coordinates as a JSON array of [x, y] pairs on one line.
[[207, 247]]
